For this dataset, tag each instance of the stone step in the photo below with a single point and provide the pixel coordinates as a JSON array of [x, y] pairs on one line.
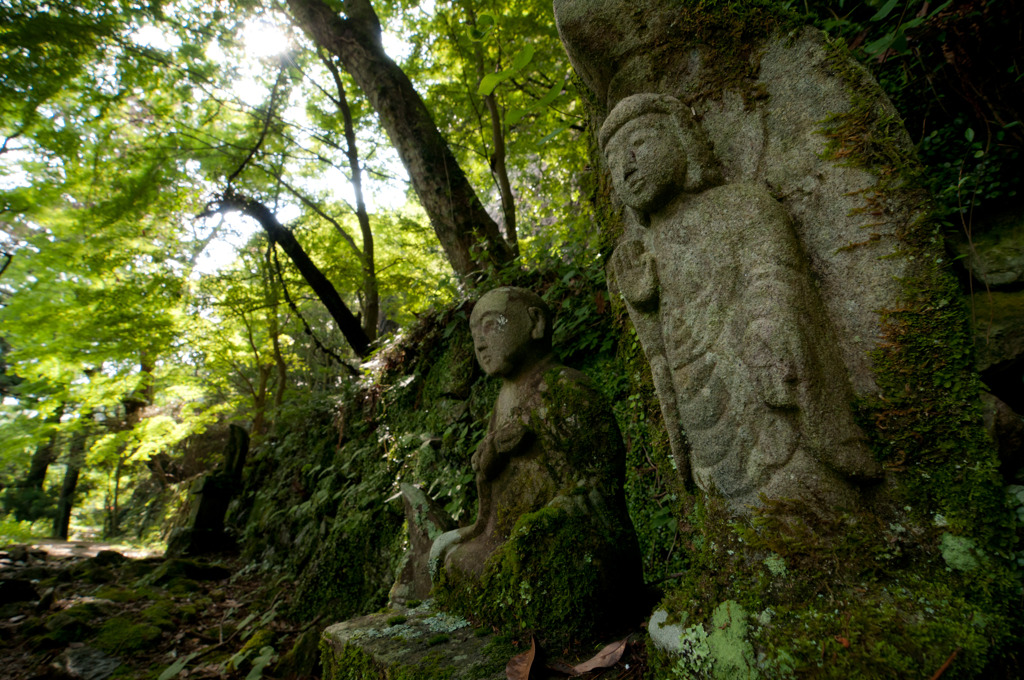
[[418, 643]]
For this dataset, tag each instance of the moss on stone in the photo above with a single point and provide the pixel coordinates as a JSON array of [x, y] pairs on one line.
[[160, 614], [543, 579], [354, 566], [354, 664], [115, 594], [872, 599], [120, 635]]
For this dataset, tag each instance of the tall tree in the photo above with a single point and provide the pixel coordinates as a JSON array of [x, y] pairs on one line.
[[470, 237]]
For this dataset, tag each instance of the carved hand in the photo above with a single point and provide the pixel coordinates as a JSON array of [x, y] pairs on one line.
[[637, 275], [496, 448], [767, 351]]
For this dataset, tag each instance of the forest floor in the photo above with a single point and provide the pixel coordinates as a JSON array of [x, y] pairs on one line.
[[96, 611], [89, 612]]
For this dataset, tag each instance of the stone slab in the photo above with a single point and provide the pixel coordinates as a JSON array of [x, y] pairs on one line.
[[412, 644]]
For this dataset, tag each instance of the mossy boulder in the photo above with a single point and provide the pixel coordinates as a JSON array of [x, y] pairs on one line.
[[121, 635], [425, 645], [555, 576]]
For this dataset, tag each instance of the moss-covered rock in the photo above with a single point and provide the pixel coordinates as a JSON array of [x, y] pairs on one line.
[[550, 577], [427, 645], [120, 635]]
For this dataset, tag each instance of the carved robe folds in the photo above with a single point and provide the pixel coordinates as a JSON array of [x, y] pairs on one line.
[[743, 359]]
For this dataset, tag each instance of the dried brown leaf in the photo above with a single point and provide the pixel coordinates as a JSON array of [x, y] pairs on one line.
[[519, 666], [606, 658]]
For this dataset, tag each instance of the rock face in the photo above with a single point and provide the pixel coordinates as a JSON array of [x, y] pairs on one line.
[[552, 547], [775, 252], [205, 533], [996, 257], [806, 244], [742, 353], [411, 643], [426, 520]]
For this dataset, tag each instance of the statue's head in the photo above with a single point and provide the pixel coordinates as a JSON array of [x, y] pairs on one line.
[[655, 150], [511, 330]]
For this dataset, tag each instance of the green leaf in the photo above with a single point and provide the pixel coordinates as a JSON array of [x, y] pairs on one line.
[[969, 134], [177, 667], [492, 80], [880, 45], [516, 114], [940, 8], [886, 9], [524, 57], [547, 138], [551, 94], [260, 662]]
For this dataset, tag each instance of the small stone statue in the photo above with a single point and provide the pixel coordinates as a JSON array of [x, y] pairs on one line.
[[552, 547], [744, 361]]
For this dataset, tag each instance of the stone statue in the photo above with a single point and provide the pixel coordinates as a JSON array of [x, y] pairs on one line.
[[552, 520], [742, 354]]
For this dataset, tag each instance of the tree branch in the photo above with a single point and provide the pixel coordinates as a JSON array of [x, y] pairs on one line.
[[324, 289], [455, 211]]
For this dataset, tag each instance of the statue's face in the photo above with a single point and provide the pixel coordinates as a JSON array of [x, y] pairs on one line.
[[503, 333], [647, 162]]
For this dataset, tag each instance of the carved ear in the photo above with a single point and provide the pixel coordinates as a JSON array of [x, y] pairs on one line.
[[537, 322]]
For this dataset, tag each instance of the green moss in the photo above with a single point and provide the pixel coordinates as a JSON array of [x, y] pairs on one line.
[[354, 664], [115, 594], [302, 659], [872, 599], [341, 582], [120, 635], [160, 614], [542, 579]]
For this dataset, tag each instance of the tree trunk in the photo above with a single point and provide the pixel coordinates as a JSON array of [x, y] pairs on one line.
[[498, 166], [324, 289], [43, 456], [458, 217], [76, 458], [371, 294], [114, 513]]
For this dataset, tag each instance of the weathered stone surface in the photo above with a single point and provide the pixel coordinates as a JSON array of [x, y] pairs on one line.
[[741, 349], [996, 256], [998, 327], [767, 130], [426, 520], [205, 533], [420, 643], [84, 663], [552, 525], [1006, 428]]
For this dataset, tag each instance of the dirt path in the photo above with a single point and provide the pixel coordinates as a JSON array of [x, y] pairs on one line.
[[60, 549]]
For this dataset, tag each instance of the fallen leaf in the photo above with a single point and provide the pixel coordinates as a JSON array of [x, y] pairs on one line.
[[843, 641], [518, 667], [606, 658]]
